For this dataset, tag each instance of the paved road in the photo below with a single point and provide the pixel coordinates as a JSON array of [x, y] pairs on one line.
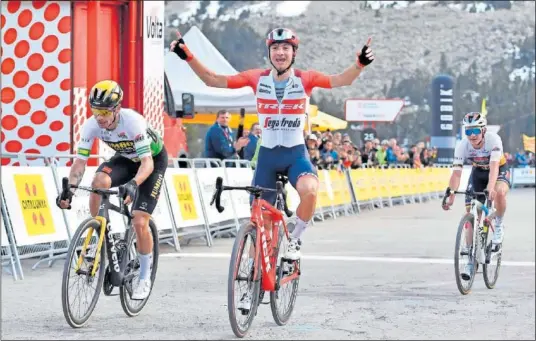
[[386, 274]]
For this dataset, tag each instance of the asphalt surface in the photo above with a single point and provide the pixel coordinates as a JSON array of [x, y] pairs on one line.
[[384, 274]]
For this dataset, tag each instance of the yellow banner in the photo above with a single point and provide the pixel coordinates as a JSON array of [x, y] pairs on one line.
[[34, 204], [528, 143], [323, 195], [372, 183], [185, 196], [339, 186]]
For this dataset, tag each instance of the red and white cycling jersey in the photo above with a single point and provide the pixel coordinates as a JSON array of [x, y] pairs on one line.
[[282, 123]]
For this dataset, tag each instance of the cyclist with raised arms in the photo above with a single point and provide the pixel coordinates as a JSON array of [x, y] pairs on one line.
[[484, 149], [282, 93], [140, 163]]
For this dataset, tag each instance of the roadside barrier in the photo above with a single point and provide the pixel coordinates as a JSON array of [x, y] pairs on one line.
[[33, 227]]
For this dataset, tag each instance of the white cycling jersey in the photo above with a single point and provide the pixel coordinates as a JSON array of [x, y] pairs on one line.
[[492, 150], [133, 138]]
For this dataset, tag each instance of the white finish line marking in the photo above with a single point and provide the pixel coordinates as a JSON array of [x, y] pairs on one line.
[[349, 259]]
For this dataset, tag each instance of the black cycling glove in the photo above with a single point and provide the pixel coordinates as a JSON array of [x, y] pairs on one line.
[[61, 197], [363, 60], [131, 188], [183, 52]]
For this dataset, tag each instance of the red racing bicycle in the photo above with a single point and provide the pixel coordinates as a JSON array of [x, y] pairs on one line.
[[265, 269]]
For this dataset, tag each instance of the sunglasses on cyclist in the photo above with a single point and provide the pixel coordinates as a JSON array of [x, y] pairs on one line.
[[473, 131], [102, 112]]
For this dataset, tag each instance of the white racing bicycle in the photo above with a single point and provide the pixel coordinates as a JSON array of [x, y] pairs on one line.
[[469, 254]]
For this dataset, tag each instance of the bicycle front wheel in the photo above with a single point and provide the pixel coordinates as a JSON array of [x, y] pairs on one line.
[[83, 249], [282, 301], [464, 285], [491, 270], [134, 307], [241, 275]]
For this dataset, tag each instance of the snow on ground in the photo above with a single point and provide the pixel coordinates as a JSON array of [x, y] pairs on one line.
[[292, 8]]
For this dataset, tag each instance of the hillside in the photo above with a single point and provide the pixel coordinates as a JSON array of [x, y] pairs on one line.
[[410, 39]]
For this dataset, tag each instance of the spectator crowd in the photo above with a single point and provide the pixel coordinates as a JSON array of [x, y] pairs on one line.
[[327, 150], [330, 150]]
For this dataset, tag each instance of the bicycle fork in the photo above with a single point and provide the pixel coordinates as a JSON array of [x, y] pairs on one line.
[[83, 252], [116, 263], [481, 237]]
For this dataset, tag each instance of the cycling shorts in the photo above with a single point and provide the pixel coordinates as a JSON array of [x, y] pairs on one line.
[[478, 181], [121, 170], [291, 161]]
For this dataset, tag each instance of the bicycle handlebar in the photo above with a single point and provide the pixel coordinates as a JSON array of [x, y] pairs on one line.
[[255, 190], [469, 193], [120, 192]]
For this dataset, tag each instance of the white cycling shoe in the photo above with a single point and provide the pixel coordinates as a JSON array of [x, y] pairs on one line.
[[293, 249], [498, 234], [467, 271], [141, 289], [245, 302]]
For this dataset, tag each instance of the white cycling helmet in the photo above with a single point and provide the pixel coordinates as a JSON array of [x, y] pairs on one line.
[[474, 119]]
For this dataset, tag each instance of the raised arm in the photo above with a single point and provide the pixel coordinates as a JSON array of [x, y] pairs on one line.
[[348, 76], [208, 77]]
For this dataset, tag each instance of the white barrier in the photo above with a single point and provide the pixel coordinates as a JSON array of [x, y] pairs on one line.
[[207, 182], [183, 206], [239, 177], [3, 232], [184, 197], [31, 193], [523, 176], [80, 203]]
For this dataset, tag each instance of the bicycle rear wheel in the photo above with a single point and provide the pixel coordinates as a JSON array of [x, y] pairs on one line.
[[491, 271], [284, 269], [134, 307], [247, 235], [464, 286], [83, 275]]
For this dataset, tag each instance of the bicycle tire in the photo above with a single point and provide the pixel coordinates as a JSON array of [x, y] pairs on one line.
[[279, 319], [123, 292], [236, 255], [71, 252], [490, 282], [468, 217]]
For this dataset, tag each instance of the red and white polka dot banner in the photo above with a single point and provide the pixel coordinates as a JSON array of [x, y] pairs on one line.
[[36, 78]]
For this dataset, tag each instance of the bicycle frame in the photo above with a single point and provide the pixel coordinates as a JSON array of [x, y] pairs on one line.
[[482, 220], [264, 249], [481, 223], [105, 233]]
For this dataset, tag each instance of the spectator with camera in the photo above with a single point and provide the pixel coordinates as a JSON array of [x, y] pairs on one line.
[[219, 142]]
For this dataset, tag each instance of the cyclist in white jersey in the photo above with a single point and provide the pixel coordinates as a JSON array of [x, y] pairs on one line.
[[282, 95], [140, 164], [484, 149]]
